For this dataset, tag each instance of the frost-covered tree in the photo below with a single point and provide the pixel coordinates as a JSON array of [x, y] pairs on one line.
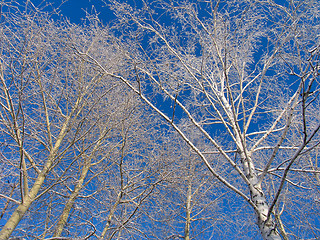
[[245, 76], [69, 142], [83, 153]]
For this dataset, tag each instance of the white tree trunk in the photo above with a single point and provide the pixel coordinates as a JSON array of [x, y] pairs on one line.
[[267, 226]]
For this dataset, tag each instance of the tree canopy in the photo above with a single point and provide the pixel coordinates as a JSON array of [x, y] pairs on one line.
[[174, 120]]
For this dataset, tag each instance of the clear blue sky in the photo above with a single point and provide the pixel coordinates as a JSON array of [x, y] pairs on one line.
[[75, 10]]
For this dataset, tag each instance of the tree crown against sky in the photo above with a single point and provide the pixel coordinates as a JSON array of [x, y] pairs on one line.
[[236, 84]]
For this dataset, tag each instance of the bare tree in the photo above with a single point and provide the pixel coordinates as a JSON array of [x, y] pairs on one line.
[[238, 81], [188, 200], [79, 153], [64, 124], [247, 71]]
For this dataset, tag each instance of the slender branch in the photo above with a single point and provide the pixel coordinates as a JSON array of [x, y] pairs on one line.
[[286, 171]]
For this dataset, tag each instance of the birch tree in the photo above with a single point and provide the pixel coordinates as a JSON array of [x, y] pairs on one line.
[[247, 71]]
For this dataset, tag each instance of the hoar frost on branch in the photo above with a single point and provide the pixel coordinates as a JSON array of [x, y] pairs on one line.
[[234, 68], [237, 81]]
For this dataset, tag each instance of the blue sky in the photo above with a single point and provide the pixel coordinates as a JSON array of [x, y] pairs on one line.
[[75, 11]]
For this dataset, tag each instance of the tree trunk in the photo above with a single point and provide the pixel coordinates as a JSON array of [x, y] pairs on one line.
[[66, 211], [111, 214], [267, 226], [22, 208], [188, 212], [30, 196]]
